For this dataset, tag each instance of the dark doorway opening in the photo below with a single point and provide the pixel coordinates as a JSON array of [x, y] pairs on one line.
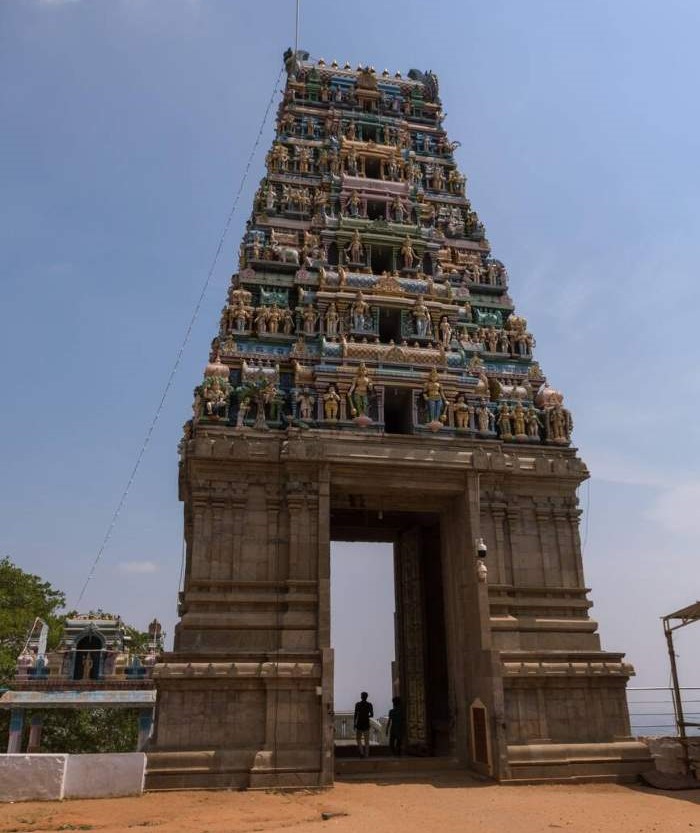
[[390, 325], [397, 411], [333, 254], [375, 210], [369, 132], [372, 167], [427, 264], [382, 260], [88, 658]]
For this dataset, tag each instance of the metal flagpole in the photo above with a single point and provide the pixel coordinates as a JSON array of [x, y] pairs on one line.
[[296, 33]]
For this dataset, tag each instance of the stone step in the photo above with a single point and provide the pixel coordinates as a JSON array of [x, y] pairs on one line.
[[386, 768]]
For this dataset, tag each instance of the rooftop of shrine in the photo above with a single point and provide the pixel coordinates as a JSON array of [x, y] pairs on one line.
[[367, 297], [95, 649]]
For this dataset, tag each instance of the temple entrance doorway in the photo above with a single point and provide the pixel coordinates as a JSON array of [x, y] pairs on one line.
[[88, 658], [362, 636], [391, 599]]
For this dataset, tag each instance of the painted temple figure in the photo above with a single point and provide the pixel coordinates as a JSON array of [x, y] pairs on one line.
[[359, 392], [331, 403], [434, 397]]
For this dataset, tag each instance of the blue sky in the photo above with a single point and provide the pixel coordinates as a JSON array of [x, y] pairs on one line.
[[126, 126]]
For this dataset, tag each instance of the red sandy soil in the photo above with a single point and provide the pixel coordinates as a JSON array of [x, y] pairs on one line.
[[443, 805]]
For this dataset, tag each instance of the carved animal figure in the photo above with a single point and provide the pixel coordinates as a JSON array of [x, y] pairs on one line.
[[286, 254]]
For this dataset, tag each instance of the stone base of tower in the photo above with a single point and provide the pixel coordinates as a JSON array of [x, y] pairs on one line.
[[500, 665], [567, 718], [619, 761], [237, 724]]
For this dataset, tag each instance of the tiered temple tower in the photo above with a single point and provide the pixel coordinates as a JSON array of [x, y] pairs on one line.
[[371, 380]]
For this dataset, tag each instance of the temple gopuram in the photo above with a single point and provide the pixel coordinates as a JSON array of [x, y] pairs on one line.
[[371, 381]]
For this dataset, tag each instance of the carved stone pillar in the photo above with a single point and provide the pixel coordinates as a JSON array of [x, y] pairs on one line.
[[411, 616]]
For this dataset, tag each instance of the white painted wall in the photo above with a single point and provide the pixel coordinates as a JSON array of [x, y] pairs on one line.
[[54, 777], [97, 776], [32, 777]]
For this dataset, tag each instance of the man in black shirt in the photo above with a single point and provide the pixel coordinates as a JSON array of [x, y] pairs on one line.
[[394, 728], [363, 711]]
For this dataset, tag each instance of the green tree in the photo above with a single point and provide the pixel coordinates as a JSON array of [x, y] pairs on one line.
[[89, 730], [23, 598]]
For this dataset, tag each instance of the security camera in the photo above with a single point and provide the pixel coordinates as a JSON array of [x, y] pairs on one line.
[[481, 548]]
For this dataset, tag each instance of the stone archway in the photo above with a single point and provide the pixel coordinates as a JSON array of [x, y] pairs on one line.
[[247, 699]]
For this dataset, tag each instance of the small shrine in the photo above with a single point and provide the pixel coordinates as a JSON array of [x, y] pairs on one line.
[[94, 665]]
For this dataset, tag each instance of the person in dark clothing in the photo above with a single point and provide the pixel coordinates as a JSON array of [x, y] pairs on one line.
[[394, 728], [363, 711]]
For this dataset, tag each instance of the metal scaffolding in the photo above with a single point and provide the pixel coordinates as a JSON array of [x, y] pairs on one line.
[[683, 617]]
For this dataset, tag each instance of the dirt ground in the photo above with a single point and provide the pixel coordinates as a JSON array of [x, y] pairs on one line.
[[446, 804]]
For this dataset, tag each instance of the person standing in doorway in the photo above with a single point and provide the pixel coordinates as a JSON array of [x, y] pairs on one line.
[[363, 711], [394, 728]]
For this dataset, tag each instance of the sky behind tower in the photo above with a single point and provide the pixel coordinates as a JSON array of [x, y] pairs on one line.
[[126, 129]]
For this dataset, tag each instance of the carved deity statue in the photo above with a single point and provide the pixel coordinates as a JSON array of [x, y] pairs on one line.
[[270, 197], [434, 397], [398, 210], [303, 160], [355, 250], [518, 414], [421, 317], [287, 322], [331, 403], [309, 318], [504, 421], [359, 392], [265, 397], [274, 317], [261, 319], [243, 408], [359, 312], [445, 332], [320, 201], [485, 418], [239, 317], [352, 162], [460, 409], [408, 254], [532, 422], [88, 664], [215, 399], [352, 205], [306, 400], [559, 424], [332, 320]]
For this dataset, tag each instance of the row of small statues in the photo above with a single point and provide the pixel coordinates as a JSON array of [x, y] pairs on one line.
[[316, 255], [452, 220], [360, 318], [313, 91], [497, 341], [302, 160], [390, 133], [512, 422], [273, 319]]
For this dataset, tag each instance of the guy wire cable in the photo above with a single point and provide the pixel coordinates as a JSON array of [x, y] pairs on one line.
[[183, 345]]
